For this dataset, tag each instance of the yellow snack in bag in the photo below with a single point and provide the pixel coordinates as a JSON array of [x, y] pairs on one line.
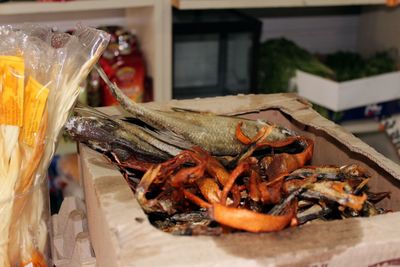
[[34, 103], [11, 90]]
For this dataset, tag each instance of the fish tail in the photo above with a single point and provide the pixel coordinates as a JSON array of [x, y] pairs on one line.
[[126, 103]]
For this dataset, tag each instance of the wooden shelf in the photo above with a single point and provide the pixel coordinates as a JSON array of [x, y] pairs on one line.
[[15, 8], [151, 20], [220, 4]]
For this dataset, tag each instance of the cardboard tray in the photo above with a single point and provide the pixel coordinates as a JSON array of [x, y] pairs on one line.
[[350, 94], [122, 236]]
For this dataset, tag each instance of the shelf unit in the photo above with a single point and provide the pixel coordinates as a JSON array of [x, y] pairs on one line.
[[152, 22], [19, 8], [225, 4]]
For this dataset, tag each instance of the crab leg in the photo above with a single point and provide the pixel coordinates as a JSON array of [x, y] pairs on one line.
[[271, 192], [254, 181], [241, 167], [209, 189], [133, 163], [248, 220], [142, 188], [283, 163], [195, 199], [262, 134], [215, 169], [188, 175]]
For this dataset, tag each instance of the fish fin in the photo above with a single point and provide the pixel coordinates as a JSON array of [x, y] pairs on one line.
[[174, 139], [135, 121], [187, 110], [171, 138], [164, 135], [178, 109], [83, 111]]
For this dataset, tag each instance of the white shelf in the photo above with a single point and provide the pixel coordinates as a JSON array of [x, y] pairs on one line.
[[16, 8], [214, 4]]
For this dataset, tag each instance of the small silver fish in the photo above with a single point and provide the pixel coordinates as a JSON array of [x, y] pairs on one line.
[[109, 135]]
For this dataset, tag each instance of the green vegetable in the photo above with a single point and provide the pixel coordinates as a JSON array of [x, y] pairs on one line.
[[380, 63], [346, 65], [350, 66], [278, 61]]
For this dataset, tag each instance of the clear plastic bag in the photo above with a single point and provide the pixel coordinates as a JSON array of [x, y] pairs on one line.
[[40, 73]]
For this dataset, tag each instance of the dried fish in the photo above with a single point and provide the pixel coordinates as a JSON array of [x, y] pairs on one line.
[[312, 213], [117, 134], [216, 134]]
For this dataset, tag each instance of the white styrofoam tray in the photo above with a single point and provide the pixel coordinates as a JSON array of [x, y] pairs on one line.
[[339, 96]]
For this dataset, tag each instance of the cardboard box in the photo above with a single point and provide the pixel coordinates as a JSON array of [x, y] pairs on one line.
[[350, 94], [122, 236]]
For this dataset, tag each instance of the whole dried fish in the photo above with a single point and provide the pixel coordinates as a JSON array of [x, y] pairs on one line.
[[215, 134], [108, 134]]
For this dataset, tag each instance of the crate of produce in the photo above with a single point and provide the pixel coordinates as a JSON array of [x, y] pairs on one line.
[[122, 235], [338, 82], [339, 96]]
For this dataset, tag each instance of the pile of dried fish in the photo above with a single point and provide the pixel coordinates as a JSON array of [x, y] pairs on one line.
[[196, 173]]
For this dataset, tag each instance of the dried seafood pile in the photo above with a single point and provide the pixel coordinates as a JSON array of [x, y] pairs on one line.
[[196, 173]]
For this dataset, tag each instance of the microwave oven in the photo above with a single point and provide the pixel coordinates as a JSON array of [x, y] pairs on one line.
[[214, 53]]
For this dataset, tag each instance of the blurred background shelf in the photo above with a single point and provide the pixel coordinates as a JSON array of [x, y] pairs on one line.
[[317, 25], [149, 20], [19, 8], [225, 4]]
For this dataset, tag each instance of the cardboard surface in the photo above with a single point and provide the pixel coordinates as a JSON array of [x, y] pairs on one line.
[[70, 239], [350, 94], [122, 236]]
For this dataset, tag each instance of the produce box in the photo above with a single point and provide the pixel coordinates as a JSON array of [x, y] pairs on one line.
[[339, 96], [121, 234], [375, 112]]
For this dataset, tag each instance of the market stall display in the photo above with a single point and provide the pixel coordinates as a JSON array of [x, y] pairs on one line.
[[122, 234], [201, 168], [341, 85]]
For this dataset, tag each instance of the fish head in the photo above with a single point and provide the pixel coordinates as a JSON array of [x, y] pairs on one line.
[[89, 128]]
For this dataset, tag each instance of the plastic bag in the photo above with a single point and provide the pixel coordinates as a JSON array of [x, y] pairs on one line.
[[40, 73]]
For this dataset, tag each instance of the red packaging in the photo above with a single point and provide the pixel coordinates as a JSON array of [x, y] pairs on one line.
[[124, 64]]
